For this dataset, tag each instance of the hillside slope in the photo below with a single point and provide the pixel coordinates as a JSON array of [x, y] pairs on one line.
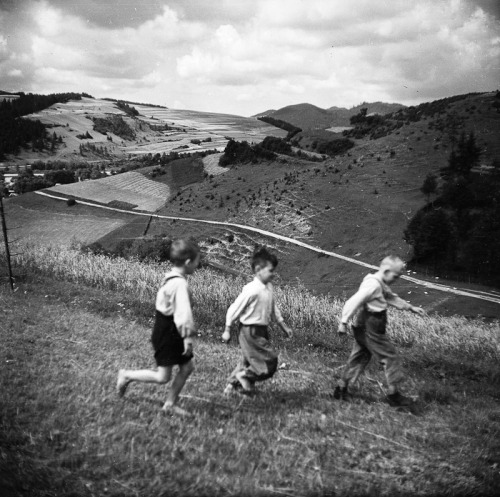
[[153, 130]]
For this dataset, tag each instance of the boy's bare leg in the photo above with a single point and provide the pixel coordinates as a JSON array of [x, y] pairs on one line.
[[245, 383], [180, 379], [229, 389], [125, 376]]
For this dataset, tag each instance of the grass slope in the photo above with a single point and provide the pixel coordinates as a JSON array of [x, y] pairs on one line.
[[75, 118], [63, 431], [33, 217]]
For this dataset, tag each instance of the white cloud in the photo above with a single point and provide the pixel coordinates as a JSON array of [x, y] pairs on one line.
[[15, 73], [250, 55], [3, 44]]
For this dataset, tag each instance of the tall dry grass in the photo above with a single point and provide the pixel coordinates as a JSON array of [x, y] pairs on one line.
[[314, 317]]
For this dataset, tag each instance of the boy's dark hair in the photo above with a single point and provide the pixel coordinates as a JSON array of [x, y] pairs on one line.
[[262, 256], [181, 250]]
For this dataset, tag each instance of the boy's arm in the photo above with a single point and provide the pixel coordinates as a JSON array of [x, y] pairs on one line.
[[183, 315], [288, 331], [352, 305], [397, 302], [234, 312], [279, 318]]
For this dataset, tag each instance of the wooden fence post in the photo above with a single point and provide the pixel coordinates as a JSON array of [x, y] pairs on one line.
[[6, 240]]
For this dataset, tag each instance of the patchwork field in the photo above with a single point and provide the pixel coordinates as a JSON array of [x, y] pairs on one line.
[[131, 188], [187, 131]]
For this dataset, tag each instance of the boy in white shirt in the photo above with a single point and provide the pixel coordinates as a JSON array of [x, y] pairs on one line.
[[254, 308], [173, 328], [369, 328]]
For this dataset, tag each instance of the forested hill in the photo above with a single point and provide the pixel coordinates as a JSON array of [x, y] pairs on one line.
[[308, 116], [16, 133]]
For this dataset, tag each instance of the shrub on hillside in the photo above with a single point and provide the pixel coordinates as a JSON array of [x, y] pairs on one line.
[[61, 176], [130, 111], [85, 136], [156, 249], [334, 147], [430, 232], [241, 152], [277, 145], [115, 125]]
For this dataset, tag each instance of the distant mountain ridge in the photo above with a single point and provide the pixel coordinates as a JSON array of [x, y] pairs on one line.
[[308, 116]]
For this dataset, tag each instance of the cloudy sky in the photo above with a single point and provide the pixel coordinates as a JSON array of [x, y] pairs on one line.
[[247, 56]]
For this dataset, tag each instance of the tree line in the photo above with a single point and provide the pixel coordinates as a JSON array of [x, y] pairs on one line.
[[28, 181], [459, 228], [290, 128]]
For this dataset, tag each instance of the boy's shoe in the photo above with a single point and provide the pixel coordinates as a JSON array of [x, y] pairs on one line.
[[398, 400], [341, 393], [121, 384]]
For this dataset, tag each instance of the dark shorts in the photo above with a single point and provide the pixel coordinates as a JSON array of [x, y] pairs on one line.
[[167, 342]]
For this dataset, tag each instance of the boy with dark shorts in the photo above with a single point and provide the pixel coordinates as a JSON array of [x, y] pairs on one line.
[[369, 328], [254, 308], [173, 328]]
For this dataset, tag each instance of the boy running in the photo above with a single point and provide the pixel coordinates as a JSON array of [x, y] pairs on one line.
[[173, 329], [254, 308], [369, 327]]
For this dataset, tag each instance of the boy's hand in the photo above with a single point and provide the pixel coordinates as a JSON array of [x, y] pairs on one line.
[[417, 310], [188, 346], [226, 336], [343, 329], [288, 331]]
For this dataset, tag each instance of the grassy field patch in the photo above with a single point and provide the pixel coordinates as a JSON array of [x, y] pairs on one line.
[[75, 319]]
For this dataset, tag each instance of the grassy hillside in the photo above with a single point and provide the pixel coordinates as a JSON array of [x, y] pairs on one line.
[[37, 218], [75, 320], [153, 130]]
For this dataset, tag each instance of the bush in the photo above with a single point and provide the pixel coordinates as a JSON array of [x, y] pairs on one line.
[[277, 145], [241, 152], [70, 202], [335, 147], [431, 234], [115, 125], [151, 249]]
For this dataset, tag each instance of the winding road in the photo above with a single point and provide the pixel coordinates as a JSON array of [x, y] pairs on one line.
[[481, 295]]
